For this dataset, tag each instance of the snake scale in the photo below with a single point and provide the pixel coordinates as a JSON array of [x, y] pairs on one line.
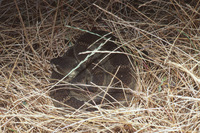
[[99, 77]]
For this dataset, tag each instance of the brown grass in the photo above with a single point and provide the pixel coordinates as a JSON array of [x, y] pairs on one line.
[[167, 97]]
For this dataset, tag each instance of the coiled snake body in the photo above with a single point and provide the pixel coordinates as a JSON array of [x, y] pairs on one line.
[[104, 73]]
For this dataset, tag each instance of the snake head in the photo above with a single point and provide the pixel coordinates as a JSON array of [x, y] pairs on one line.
[[63, 65]]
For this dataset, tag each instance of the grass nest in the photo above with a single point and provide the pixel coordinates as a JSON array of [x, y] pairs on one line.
[[167, 95]]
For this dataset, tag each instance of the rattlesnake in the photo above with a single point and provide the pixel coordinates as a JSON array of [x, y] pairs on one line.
[[104, 74]]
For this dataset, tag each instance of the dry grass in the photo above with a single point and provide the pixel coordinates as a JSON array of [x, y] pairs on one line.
[[167, 97]]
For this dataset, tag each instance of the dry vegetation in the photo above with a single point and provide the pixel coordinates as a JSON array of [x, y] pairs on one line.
[[168, 94]]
